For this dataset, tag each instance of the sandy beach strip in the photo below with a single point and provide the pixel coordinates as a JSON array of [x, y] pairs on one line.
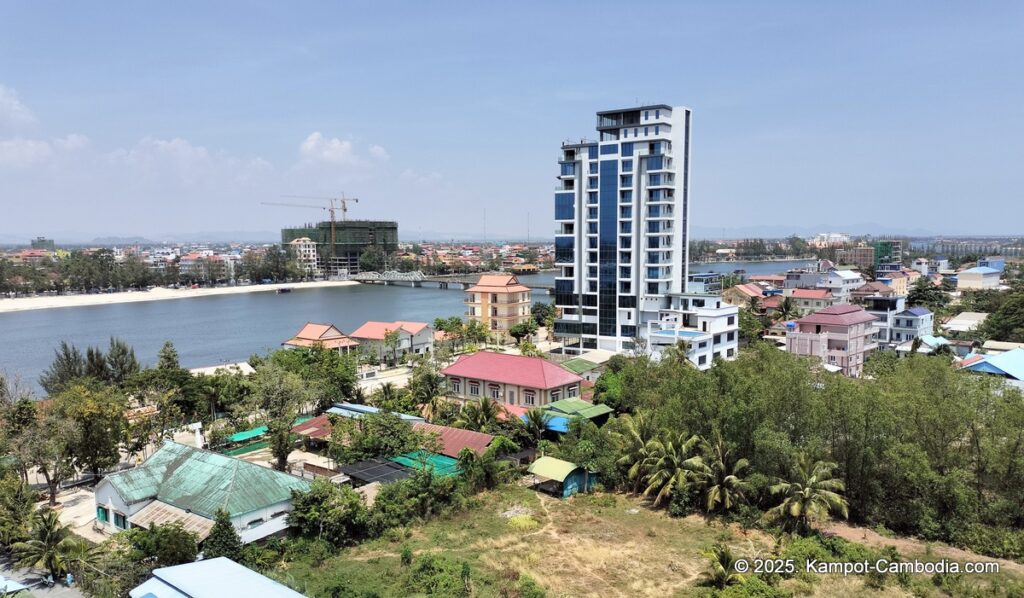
[[155, 294]]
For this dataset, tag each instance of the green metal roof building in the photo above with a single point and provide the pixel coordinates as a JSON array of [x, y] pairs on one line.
[[185, 483]]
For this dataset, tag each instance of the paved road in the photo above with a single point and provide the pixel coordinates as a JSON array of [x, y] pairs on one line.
[[34, 582]]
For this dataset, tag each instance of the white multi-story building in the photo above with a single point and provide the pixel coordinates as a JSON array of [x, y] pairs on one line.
[[841, 283], [621, 242], [304, 250]]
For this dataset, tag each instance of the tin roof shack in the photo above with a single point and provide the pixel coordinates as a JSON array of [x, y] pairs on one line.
[[210, 578], [182, 483], [561, 478]]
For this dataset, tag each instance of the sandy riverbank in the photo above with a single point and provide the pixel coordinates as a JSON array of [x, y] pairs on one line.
[[156, 294]]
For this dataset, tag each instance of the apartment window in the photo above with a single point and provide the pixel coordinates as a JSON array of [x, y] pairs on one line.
[[592, 257], [592, 152], [731, 320], [625, 212], [657, 114], [731, 336], [120, 521], [456, 384], [592, 229], [625, 133], [647, 131], [556, 395], [656, 128], [625, 242], [529, 397], [593, 168], [702, 359], [592, 182], [102, 514], [627, 181], [626, 197], [592, 213], [625, 272], [474, 388], [731, 352], [634, 131], [592, 197], [494, 390], [625, 288], [718, 339], [625, 227], [592, 286], [647, 115], [592, 271], [627, 166], [627, 148], [702, 345], [573, 391]]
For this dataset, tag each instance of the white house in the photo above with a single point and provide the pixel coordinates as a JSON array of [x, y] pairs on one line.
[[186, 484], [841, 283], [981, 277], [708, 325], [413, 337]]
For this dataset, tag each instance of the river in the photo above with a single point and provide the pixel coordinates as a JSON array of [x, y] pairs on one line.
[[228, 328]]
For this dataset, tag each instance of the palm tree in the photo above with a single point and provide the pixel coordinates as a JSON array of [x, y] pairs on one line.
[[486, 470], [814, 495], [754, 305], [51, 546], [536, 423], [386, 394], [787, 309], [479, 416], [721, 567], [670, 464], [638, 431], [677, 354], [720, 476]]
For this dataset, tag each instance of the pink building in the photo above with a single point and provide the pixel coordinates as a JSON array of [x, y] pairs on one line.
[[840, 335]]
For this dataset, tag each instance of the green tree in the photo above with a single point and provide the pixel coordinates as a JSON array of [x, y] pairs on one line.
[[336, 514], [486, 470], [48, 446], [68, 365], [813, 495], [720, 475], [1006, 323], [926, 294], [167, 358], [536, 425], [168, 545], [372, 259], [671, 463], [277, 397], [479, 416], [721, 571], [223, 539], [787, 309], [51, 547], [392, 340], [96, 364], [375, 435], [523, 330], [98, 413], [542, 312], [121, 361], [636, 432]]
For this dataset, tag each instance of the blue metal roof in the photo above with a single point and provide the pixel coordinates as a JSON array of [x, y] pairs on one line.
[[211, 577], [1009, 364]]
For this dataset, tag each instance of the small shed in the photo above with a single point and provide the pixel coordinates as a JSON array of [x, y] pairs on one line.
[[561, 478]]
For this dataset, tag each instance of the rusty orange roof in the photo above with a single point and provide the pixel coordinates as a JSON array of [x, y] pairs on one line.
[[498, 283], [377, 330], [326, 335], [453, 440]]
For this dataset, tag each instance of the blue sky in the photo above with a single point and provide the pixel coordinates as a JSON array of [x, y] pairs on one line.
[[152, 118]]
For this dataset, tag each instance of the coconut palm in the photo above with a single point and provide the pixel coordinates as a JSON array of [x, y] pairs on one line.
[[536, 423], [637, 432], [486, 470], [814, 495], [479, 416], [720, 475], [754, 305], [51, 547], [721, 567], [787, 309], [677, 354], [670, 463]]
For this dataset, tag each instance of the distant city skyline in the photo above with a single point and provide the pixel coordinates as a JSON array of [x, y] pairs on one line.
[[170, 121]]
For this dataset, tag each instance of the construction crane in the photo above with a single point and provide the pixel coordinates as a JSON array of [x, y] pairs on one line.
[[331, 207]]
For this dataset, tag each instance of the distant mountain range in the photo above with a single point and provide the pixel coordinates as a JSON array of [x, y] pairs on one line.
[[770, 231]]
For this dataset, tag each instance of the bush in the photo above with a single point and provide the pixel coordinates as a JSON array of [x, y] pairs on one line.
[[439, 576], [992, 541], [523, 523], [528, 588], [752, 587]]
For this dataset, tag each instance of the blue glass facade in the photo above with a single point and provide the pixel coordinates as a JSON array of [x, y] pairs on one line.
[[564, 206], [609, 149], [564, 247], [608, 236], [627, 149], [592, 152]]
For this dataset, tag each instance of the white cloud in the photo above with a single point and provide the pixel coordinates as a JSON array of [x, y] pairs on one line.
[[429, 179], [72, 142], [332, 150], [12, 112], [379, 152], [23, 153]]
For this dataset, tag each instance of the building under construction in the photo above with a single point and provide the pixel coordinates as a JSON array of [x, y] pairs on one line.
[[351, 239]]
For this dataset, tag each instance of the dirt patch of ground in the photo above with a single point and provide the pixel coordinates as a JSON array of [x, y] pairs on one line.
[[913, 546]]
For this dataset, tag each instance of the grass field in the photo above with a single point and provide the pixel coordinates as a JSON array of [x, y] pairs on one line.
[[602, 545]]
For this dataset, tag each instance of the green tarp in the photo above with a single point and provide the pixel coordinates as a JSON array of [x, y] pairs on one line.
[[248, 434], [441, 464]]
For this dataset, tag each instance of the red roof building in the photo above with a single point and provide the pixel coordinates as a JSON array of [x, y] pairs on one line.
[[510, 379], [325, 335], [318, 428], [453, 440], [841, 336], [413, 337]]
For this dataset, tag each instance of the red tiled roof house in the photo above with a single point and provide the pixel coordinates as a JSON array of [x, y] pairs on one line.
[[325, 335], [842, 336], [510, 379], [413, 337]]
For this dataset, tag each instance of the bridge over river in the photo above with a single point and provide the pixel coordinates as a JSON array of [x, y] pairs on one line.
[[459, 282]]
